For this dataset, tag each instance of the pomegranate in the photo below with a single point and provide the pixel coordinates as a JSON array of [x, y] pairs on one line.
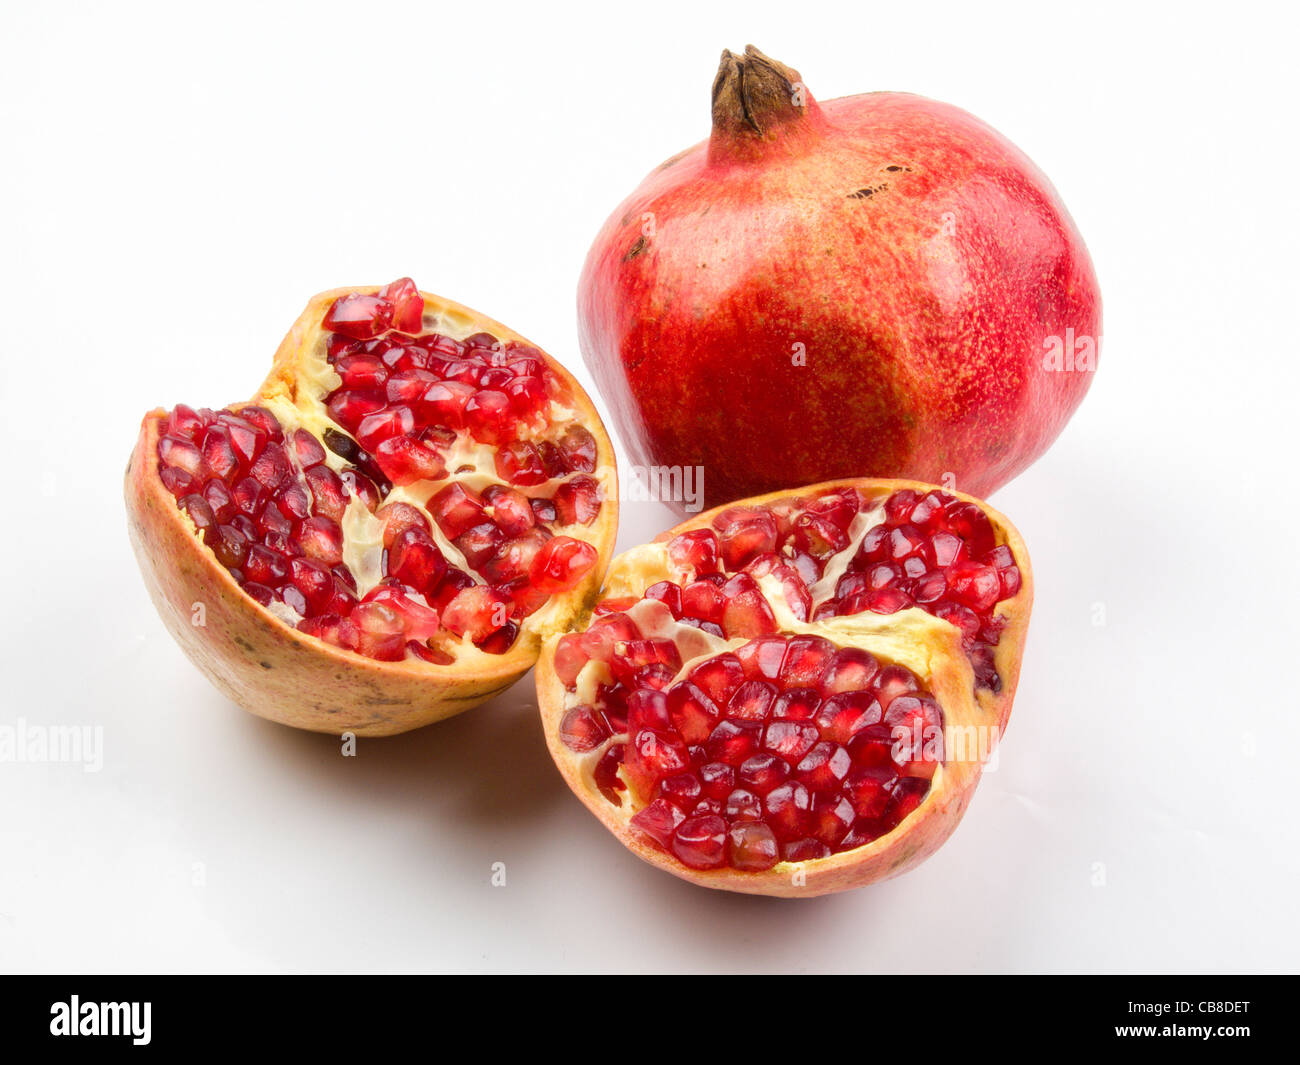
[[879, 285], [382, 537], [796, 694]]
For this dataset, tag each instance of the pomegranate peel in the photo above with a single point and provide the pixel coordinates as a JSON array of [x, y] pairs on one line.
[[804, 750], [423, 653]]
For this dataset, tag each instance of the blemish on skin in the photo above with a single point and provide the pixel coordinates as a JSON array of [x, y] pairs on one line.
[[894, 168], [266, 665], [636, 249], [869, 191]]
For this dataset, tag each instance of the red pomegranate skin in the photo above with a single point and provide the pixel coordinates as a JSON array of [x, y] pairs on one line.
[[919, 261]]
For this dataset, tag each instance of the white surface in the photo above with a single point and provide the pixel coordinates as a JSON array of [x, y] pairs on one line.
[[177, 182]]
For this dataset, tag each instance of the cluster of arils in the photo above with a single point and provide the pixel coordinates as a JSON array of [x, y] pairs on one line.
[[439, 495]]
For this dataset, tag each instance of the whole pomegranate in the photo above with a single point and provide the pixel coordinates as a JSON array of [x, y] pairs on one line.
[[880, 285], [413, 499], [795, 695]]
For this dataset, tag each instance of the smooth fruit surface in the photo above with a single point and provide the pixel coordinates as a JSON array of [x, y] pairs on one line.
[[879, 285], [794, 694], [383, 535]]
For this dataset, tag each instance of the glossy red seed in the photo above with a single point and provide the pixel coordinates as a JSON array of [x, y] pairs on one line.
[[761, 659], [648, 709], [178, 482], [700, 842], [976, 585], [583, 729], [733, 741], [669, 594], [891, 682], [746, 612], [886, 600], [181, 453], [579, 449], [577, 501], [358, 485], [456, 508], [219, 456], [229, 545], [870, 790], [831, 818], [692, 713], [806, 659], [825, 765], [658, 821], [272, 469], [850, 669], [719, 677], [819, 535], [489, 417], [717, 779], [788, 809], [184, 422], [265, 567], [704, 600], [408, 304], [796, 704], [359, 316], [316, 583], [362, 372], [752, 847], [561, 564], [349, 406], [653, 754], [321, 538], [790, 739], [476, 611], [329, 498], [917, 724], [519, 463], [405, 461], [844, 715], [415, 560], [744, 533], [697, 551], [681, 789], [752, 701]]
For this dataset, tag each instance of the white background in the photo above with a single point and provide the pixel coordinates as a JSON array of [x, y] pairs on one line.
[[178, 180]]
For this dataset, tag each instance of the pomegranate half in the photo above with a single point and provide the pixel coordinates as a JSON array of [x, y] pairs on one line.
[[382, 537], [797, 694], [879, 285]]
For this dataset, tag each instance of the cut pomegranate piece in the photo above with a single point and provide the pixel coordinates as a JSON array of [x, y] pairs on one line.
[[373, 426], [819, 750]]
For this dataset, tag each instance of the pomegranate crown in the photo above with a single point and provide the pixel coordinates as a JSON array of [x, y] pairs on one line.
[[757, 101]]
